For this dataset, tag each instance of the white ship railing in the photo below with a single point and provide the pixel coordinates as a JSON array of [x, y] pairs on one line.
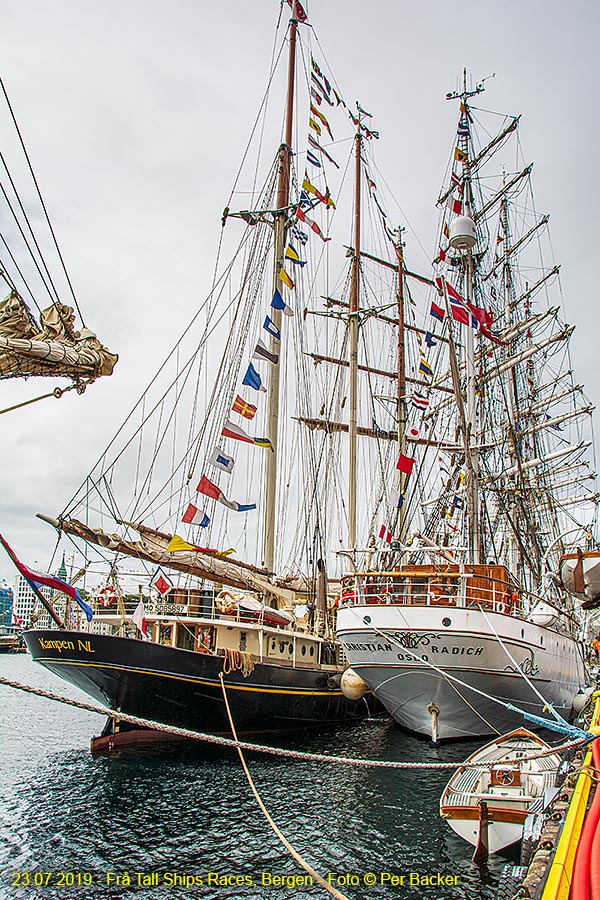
[[453, 589]]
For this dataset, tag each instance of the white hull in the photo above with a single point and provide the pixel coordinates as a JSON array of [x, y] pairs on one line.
[[500, 834], [461, 643], [510, 783]]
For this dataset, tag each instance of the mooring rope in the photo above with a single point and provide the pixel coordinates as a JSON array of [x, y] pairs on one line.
[[293, 852], [261, 748], [545, 703]]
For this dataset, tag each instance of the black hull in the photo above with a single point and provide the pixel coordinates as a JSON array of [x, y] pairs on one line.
[[182, 687]]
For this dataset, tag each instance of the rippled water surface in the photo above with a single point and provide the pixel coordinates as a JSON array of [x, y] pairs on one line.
[[190, 813]]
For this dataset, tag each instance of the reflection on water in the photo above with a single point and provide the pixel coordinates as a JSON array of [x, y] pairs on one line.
[[190, 813]]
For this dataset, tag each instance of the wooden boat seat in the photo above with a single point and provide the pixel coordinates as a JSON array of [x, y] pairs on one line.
[[467, 798], [467, 781]]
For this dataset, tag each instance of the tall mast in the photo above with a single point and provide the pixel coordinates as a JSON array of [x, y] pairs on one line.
[[472, 460], [353, 344], [280, 229], [401, 409], [457, 239]]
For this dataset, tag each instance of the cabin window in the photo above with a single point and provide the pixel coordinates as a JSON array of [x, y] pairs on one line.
[[282, 647], [312, 651], [303, 649], [164, 634], [522, 632], [206, 639], [243, 640], [185, 638]]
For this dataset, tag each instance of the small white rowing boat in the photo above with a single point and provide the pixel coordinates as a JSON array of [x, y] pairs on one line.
[[487, 803]]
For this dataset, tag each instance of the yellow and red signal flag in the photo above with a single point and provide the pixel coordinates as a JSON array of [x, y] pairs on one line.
[[317, 112], [311, 189], [247, 410], [283, 275], [178, 545]]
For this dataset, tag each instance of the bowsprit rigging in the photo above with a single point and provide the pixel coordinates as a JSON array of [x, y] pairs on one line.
[[47, 343]]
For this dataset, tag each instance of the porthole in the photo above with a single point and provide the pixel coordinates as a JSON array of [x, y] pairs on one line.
[[282, 647], [303, 649], [312, 651], [446, 622]]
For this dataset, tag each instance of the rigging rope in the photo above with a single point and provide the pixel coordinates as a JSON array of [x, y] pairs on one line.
[[261, 748], [57, 392], [8, 103], [446, 675]]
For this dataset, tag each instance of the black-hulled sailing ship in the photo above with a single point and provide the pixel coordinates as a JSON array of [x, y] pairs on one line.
[[267, 627]]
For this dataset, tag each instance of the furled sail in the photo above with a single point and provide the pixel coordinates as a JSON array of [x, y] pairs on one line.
[[152, 547], [53, 348]]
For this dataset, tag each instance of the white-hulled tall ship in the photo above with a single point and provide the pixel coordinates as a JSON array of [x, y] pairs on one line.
[[458, 615]]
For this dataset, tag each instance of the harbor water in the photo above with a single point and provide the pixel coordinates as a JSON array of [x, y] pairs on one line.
[[185, 824]]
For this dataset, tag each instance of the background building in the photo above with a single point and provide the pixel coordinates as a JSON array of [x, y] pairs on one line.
[[24, 602], [6, 603]]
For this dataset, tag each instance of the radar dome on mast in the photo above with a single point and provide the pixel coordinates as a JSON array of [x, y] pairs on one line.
[[462, 233]]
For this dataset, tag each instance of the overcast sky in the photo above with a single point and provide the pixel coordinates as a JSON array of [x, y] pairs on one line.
[[136, 114]]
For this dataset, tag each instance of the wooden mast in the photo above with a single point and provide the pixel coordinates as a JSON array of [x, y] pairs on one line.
[[280, 230], [471, 450], [401, 408], [353, 344], [472, 454]]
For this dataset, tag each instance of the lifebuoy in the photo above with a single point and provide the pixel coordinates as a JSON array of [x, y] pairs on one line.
[[225, 602], [106, 594]]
